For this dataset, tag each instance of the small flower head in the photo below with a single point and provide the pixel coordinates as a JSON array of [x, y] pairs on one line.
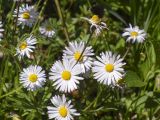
[[1, 30], [108, 68], [65, 75], [27, 15], [32, 77], [134, 34], [96, 24], [47, 29], [73, 52], [26, 47], [62, 109]]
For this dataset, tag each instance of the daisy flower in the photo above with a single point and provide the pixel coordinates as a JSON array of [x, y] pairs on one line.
[[108, 68], [62, 109], [27, 15], [26, 47], [47, 30], [1, 30], [134, 34], [32, 77], [73, 53], [96, 24], [65, 75]]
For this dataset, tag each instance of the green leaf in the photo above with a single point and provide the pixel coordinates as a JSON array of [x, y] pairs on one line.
[[151, 54], [120, 44], [133, 80], [148, 66]]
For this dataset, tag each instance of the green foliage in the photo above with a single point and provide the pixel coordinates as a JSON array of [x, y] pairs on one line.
[[133, 80]]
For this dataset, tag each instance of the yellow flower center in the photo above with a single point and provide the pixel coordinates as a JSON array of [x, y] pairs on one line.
[[95, 19], [66, 75], [23, 45], [63, 111], [77, 56], [134, 34], [33, 77], [109, 67], [26, 15]]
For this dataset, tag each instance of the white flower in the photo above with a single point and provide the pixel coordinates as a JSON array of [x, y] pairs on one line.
[[62, 109], [32, 77], [108, 68], [65, 75], [1, 30], [134, 34], [27, 15], [47, 29], [73, 53], [26, 47], [96, 24]]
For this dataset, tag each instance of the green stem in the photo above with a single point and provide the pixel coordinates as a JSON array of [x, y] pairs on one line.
[[85, 47], [89, 106], [130, 106], [62, 19], [18, 4], [127, 51], [35, 59], [94, 103], [96, 100], [38, 3], [40, 15]]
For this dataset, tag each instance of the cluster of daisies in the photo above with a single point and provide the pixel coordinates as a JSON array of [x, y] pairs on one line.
[[77, 60], [28, 15]]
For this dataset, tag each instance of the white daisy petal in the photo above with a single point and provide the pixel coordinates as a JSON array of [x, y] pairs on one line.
[[26, 47], [65, 75], [32, 77], [1, 30], [27, 15], [73, 52], [134, 34], [108, 68], [63, 110], [96, 24], [46, 29]]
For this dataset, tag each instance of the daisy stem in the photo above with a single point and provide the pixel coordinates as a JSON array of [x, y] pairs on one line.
[[125, 54], [35, 59], [38, 3], [89, 106], [96, 99], [85, 46], [10, 93], [62, 19], [18, 4], [43, 8], [94, 102], [40, 15], [15, 27]]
